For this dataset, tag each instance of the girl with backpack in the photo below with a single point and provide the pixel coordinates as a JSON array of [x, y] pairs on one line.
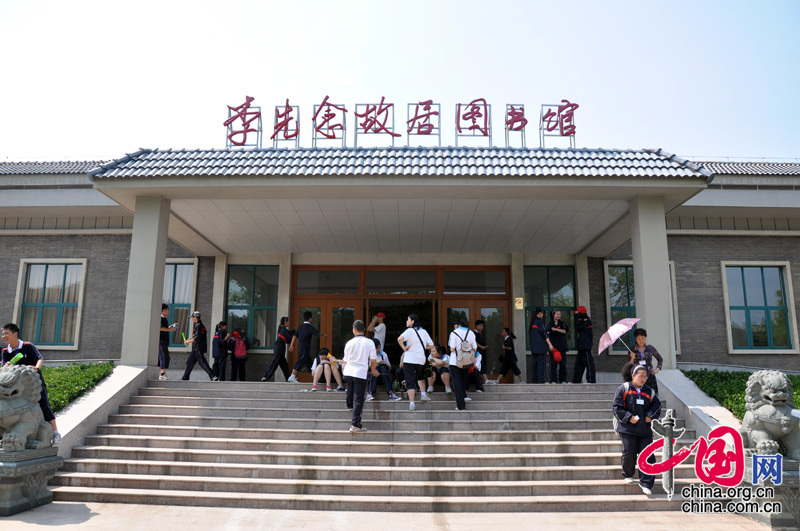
[[239, 346]]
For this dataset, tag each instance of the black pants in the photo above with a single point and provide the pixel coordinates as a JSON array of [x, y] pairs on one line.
[[385, 377], [44, 402], [538, 368], [303, 360], [163, 356], [585, 361], [561, 367], [219, 367], [632, 446], [459, 377], [200, 359], [652, 382], [474, 377], [237, 369], [509, 364], [278, 360], [356, 387]]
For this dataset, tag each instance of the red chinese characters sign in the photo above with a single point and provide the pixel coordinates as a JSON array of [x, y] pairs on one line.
[[247, 116], [283, 122], [422, 120], [474, 117], [327, 121], [561, 119], [375, 117], [515, 118]]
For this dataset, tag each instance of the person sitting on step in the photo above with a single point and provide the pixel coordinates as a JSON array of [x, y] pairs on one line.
[[327, 364], [439, 361], [384, 368]]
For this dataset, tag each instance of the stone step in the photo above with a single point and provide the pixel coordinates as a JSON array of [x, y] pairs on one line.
[[399, 472], [312, 402], [427, 410], [440, 459], [283, 386], [356, 446], [422, 422], [357, 487], [476, 437], [634, 502]]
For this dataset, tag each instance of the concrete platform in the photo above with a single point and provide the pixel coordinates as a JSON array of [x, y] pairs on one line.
[[123, 517]]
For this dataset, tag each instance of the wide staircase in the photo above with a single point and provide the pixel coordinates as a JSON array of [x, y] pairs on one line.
[[277, 445]]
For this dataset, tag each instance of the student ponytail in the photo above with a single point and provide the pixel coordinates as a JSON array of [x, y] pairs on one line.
[[509, 332]]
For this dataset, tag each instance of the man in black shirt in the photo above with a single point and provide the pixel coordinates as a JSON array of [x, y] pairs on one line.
[[32, 358], [163, 341], [199, 342], [302, 338]]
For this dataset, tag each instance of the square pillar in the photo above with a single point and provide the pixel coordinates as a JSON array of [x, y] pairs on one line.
[[219, 289], [651, 274], [582, 280], [145, 281], [520, 327]]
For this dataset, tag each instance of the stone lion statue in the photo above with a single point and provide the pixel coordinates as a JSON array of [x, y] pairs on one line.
[[22, 425], [768, 425]]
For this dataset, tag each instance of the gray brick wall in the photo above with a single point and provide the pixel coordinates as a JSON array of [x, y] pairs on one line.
[[106, 282], [701, 307]]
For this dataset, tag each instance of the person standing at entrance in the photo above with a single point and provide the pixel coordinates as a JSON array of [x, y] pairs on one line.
[[558, 330], [459, 375], [540, 346], [585, 361], [163, 341], [378, 328], [282, 338], [199, 342], [508, 361], [481, 377], [302, 338], [643, 354], [32, 358], [360, 358], [635, 406], [219, 350], [414, 341]]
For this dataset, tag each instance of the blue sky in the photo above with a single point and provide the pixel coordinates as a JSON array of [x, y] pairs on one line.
[[94, 80]]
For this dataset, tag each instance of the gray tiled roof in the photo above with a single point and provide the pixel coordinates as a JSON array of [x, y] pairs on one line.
[[752, 168], [44, 168], [402, 161]]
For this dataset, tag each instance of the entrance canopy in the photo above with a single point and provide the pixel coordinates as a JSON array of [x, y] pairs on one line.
[[408, 200]]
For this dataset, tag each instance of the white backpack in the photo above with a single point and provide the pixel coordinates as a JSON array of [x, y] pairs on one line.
[[465, 354]]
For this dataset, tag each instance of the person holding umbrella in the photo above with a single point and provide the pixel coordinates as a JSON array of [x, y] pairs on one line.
[[642, 354], [584, 361]]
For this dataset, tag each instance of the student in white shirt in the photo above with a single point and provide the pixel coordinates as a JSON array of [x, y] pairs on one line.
[[458, 374], [384, 367], [359, 359], [414, 341], [378, 328], [440, 362]]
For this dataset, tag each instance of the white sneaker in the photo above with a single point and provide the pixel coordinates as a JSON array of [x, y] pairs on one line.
[[467, 399], [163, 377], [292, 379], [412, 407], [647, 491], [522, 383], [56, 437], [356, 429], [628, 480], [430, 388], [370, 397], [425, 397], [448, 390]]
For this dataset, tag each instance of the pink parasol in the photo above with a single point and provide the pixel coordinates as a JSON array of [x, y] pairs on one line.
[[614, 332]]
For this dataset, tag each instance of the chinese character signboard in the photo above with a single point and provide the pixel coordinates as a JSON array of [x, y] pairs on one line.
[[558, 120], [375, 119], [426, 120], [241, 121], [515, 123], [287, 125], [329, 122], [474, 119]]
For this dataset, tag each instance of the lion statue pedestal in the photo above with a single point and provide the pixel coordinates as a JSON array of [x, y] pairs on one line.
[[768, 428], [27, 457]]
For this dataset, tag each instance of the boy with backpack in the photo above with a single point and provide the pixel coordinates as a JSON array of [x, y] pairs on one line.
[[463, 349]]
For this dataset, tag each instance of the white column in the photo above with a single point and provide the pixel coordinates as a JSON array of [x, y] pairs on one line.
[[520, 328], [145, 281], [651, 273], [582, 279], [284, 286], [218, 292]]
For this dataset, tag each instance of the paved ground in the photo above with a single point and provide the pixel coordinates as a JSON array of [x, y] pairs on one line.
[[121, 517]]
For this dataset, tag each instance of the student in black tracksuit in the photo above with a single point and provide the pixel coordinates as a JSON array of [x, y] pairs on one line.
[[32, 358], [540, 346], [219, 350], [282, 339], [635, 406], [508, 361], [302, 338], [584, 361], [558, 330], [199, 342]]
